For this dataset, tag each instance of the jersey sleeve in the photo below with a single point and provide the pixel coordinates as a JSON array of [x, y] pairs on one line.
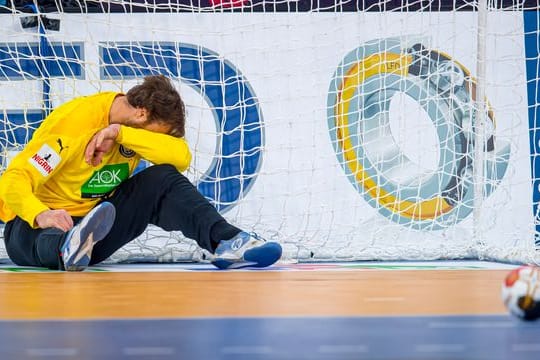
[[39, 160], [155, 147]]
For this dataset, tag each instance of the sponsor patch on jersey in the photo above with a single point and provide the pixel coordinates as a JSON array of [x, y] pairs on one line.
[[45, 160], [126, 152], [105, 180]]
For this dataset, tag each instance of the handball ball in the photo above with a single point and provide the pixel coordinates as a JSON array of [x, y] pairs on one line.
[[521, 292]]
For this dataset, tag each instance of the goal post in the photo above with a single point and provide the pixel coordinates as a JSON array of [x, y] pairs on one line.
[[350, 130]]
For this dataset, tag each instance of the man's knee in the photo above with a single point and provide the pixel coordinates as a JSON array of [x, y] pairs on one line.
[[162, 171]]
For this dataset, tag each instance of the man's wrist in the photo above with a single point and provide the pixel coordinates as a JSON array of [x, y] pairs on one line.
[[116, 130]]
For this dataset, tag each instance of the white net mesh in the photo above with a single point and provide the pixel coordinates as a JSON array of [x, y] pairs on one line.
[[344, 130]]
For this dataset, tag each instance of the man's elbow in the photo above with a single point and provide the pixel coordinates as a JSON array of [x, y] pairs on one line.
[[184, 162]]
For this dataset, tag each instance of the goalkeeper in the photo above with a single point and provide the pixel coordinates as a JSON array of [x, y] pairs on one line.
[[69, 200]]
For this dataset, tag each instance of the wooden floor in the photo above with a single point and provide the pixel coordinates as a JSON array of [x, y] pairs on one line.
[[94, 295]]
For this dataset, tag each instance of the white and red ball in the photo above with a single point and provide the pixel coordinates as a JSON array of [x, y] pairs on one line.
[[521, 292]]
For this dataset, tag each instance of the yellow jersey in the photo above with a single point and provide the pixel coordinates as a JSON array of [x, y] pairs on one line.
[[51, 172]]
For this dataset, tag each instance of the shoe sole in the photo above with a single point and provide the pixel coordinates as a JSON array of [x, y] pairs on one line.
[[97, 227], [259, 257]]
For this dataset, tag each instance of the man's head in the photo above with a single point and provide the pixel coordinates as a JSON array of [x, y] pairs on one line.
[[161, 103]]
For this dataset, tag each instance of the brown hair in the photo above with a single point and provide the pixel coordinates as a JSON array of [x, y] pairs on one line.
[[162, 101]]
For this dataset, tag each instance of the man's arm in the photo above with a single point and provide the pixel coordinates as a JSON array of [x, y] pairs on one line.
[[28, 170], [100, 144], [155, 147]]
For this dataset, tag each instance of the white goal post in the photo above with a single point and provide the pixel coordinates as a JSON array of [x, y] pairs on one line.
[[345, 130]]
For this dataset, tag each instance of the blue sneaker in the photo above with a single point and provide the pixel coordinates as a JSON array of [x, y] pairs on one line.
[[80, 240], [246, 250]]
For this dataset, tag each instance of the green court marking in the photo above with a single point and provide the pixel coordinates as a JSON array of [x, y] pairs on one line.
[[40, 270], [176, 267]]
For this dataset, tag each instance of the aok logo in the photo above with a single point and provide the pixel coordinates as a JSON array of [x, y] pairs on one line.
[[104, 180], [234, 104]]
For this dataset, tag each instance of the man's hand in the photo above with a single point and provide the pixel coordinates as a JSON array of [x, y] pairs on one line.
[[101, 143], [59, 219]]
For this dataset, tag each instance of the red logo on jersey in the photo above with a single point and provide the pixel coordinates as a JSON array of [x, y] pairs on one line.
[[43, 163]]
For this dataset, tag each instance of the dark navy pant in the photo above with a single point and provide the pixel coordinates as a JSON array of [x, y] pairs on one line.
[[158, 195]]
